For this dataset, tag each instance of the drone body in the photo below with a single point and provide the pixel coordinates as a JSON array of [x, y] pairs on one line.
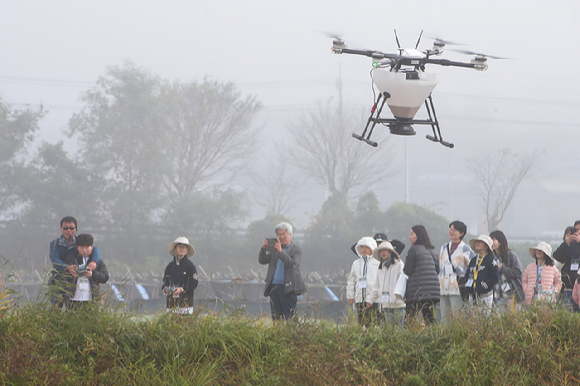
[[404, 85]]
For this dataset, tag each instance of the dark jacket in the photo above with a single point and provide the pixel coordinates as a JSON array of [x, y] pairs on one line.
[[565, 254], [511, 269], [58, 253], [292, 258], [100, 275], [422, 268], [184, 275], [487, 273]]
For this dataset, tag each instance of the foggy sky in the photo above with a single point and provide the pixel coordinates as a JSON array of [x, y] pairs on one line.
[[51, 52]]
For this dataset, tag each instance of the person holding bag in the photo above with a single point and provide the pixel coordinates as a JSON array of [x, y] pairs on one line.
[[541, 280]]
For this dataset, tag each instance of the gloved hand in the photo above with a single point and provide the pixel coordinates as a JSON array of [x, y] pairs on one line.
[[484, 285]]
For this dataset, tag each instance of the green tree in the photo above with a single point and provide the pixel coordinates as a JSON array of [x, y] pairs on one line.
[[58, 186], [209, 135], [401, 217], [210, 221], [330, 236], [260, 229], [369, 219], [120, 132], [17, 132]]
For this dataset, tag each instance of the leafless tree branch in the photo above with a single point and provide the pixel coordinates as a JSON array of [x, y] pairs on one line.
[[499, 175], [326, 152]]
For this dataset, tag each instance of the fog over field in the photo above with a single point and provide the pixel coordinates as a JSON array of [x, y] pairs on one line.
[[53, 53]]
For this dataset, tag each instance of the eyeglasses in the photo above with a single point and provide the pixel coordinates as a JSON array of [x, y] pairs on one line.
[[68, 228]]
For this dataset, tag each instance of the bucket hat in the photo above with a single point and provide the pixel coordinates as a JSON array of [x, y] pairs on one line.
[[384, 245], [184, 241], [544, 247], [485, 238]]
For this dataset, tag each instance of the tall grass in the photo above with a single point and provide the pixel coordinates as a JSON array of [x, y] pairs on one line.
[[42, 345]]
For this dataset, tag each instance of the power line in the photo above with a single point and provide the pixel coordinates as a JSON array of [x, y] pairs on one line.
[[46, 81], [289, 83]]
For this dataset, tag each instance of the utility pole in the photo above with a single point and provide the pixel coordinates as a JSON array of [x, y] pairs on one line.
[[406, 172]]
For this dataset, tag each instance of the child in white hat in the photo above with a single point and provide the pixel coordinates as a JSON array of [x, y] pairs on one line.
[[482, 273], [390, 268], [360, 281], [180, 279], [541, 280]]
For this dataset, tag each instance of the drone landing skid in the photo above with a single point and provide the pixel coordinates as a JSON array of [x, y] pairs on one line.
[[402, 126]]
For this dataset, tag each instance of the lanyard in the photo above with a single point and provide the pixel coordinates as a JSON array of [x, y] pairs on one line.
[[180, 276], [385, 277], [539, 271], [362, 270], [477, 265], [363, 273]]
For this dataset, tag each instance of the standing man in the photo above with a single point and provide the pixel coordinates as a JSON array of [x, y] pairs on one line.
[[59, 248], [283, 281], [568, 253]]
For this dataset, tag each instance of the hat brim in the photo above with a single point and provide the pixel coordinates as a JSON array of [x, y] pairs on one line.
[[473, 241], [190, 249], [533, 250], [377, 252]]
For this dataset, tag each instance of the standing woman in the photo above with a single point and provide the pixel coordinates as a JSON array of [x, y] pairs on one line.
[[453, 261], [482, 273], [180, 279], [542, 280], [422, 267], [510, 268]]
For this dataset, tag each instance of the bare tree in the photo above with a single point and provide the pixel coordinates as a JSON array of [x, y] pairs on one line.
[[325, 150], [277, 189], [499, 174]]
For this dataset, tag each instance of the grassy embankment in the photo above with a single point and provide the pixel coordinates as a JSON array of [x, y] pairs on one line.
[[40, 345]]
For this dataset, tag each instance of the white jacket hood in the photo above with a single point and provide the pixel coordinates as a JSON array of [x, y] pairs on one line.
[[367, 242]]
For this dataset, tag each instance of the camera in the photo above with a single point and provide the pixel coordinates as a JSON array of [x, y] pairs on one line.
[[171, 290], [81, 270], [573, 231], [271, 243]]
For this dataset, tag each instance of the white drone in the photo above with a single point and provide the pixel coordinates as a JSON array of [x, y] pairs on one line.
[[404, 86]]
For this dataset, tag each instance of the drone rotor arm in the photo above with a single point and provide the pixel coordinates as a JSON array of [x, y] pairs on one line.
[[369, 53], [445, 62]]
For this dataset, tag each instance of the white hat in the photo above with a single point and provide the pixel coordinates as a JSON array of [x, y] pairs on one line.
[[485, 238], [366, 242], [184, 241], [544, 247], [384, 245]]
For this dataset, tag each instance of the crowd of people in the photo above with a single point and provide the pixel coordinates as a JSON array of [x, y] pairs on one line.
[[380, 286], [484, 273], [78, 271]]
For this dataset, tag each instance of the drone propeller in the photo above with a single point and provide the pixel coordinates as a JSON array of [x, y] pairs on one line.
[[466, 52], [330, 34], [446, 42]]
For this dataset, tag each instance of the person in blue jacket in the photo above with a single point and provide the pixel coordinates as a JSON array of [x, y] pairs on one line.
[[58, 250]]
